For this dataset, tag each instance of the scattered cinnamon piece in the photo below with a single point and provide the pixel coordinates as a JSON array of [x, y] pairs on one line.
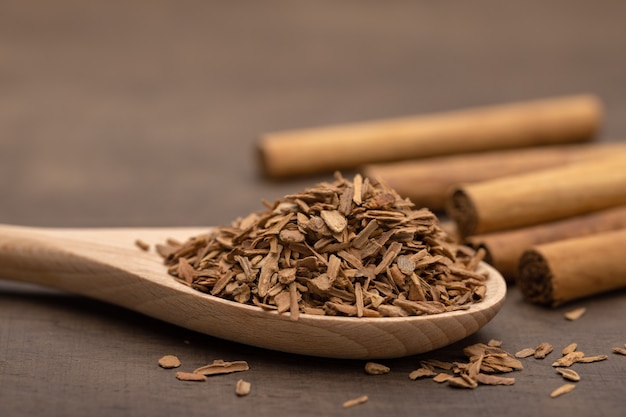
[[563, 389], [569, 359], [355, 401], [373, 368], [620, 350], [242, 388], [219, 367], [524, 353], [569, 348], [591, 359], [575, 314], [422, 372], [494, 343], [543, 350], [486, 379], [169, 361], [569, 374], [442, 377], [190, 376]]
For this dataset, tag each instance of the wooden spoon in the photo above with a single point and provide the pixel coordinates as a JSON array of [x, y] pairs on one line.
[[105, 264]]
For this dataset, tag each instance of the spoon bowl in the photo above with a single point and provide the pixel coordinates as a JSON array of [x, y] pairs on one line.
[[107, 265]]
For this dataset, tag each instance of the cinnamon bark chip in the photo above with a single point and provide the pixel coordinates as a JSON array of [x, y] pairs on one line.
[[569, 374], [575, 314], [423, 372], [355, 401], [486, 379], [190, 376], [348, 248], [591, 359], [524, 353], [373, 368], [543, 350], [442, 377], [563, 389], [494, 343], [620, 350], [219, 367], [169, 361], [569, 348], [434, 363], [462, 381], [242, 388], [569, 359]]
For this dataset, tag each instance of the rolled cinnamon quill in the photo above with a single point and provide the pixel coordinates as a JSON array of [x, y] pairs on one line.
[[426, 181], [542, 122], [504, 249], [555, 273], [540, 196]]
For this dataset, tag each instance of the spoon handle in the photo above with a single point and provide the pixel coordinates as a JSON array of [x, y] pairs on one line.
[[26, 256], [103, 264], [48, 257], [90, 262]]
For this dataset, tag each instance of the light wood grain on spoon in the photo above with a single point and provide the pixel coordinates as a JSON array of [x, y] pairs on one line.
[[106, 265]]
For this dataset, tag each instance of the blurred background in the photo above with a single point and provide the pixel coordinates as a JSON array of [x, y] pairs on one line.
[[147, 113]]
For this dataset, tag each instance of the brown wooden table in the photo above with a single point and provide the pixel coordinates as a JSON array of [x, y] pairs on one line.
[[146, 113]]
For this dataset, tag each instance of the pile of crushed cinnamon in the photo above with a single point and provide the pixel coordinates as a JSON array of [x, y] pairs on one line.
[[348, 248]]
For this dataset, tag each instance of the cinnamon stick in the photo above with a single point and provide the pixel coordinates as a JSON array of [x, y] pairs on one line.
[[558, 272], [505, 248], [539, 196], [541, 122], [426, 182]]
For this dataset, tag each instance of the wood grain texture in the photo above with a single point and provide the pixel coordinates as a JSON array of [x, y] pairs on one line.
[[106, 265]]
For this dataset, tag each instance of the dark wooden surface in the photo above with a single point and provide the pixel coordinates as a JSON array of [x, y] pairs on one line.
[[146, 113]]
